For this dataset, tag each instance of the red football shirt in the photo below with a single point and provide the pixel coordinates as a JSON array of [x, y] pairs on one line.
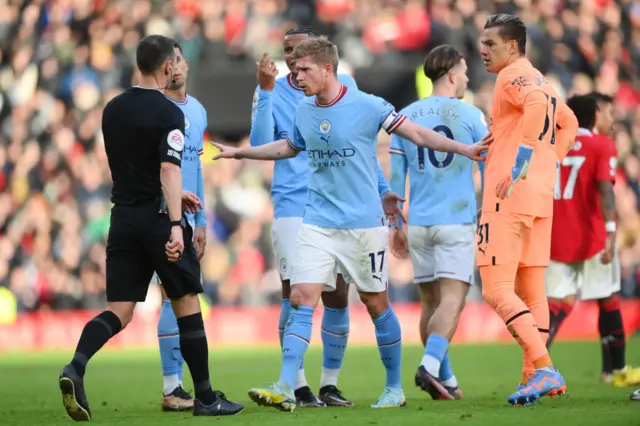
[[578, 226]]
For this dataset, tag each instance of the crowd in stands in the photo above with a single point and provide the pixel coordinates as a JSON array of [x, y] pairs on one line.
[[61, 61]]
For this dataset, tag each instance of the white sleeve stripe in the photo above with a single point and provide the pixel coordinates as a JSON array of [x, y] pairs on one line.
[[292, 145], [396, 151], [398, 116], [399, 120], [388, 120]]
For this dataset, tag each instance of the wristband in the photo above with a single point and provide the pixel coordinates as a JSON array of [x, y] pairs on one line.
[[610, 226], [176, 223]]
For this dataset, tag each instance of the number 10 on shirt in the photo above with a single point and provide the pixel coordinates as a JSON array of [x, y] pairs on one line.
[[438, 164]]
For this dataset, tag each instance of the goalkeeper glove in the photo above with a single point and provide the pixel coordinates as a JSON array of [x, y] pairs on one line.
[[518, 172]]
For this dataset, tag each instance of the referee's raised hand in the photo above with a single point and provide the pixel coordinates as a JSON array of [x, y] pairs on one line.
[[175, 246]]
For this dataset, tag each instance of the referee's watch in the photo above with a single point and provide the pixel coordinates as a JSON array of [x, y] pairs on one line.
[[176, 223]]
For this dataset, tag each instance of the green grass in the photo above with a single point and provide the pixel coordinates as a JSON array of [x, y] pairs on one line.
[[124, 388]]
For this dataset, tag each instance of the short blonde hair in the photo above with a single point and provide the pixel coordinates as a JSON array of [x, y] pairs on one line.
[[320, 49]]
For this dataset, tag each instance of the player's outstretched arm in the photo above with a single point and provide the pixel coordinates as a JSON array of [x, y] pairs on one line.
[[427, 138], [566, 130], [272, 151]]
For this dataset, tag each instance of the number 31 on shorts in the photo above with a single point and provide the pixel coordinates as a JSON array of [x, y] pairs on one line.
[[483, 237]]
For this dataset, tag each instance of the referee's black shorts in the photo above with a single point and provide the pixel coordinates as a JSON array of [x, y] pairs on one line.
[[136, 249]]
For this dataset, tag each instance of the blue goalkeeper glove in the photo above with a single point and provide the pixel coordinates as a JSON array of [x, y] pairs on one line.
[[518, 172]]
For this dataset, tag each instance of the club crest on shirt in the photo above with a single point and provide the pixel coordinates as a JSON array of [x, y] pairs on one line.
[[540, 80], [325, 126], [187, 123]]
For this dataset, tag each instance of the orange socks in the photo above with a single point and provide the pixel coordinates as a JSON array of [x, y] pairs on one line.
[[499, 291], [530, 287]]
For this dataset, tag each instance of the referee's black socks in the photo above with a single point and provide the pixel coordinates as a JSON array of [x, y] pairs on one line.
[[195, 351], [95, 334]]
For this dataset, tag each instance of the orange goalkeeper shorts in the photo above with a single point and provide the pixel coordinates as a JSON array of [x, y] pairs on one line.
[[508, 238]]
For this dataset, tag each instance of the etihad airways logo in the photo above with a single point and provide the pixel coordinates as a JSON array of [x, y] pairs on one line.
[[330, 157]]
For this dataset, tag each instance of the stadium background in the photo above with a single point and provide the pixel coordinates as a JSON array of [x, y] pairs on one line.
[[61, 61]]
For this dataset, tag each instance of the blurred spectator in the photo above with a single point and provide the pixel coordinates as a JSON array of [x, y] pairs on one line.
[[61, 61]]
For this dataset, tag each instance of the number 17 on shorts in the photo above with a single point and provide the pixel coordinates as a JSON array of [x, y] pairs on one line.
[[362, 256]]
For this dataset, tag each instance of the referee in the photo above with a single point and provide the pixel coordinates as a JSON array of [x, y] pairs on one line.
[[144, 140]]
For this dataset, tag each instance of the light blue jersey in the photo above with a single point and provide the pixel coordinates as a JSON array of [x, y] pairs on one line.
[[195, 124], [441, 184], [340, 140], [272, 116]]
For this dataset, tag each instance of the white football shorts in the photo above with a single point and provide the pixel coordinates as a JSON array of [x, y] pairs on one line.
[[361, 255], [590, 278], [284, 240], [442, 251]]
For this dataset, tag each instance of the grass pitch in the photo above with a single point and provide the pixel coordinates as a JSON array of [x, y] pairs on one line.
[[124, 388]]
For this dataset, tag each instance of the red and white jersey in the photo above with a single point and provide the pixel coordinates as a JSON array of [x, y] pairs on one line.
[[578, 226]]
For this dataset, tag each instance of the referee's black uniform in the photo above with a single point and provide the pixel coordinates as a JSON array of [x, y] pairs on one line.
[[142, 128]]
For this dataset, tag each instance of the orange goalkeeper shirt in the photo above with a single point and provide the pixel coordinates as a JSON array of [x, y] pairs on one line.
[[526, 110]]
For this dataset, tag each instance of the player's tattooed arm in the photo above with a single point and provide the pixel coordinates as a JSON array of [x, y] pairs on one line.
[[277, 150], [427, 138], [608, 207], [607, 200]]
